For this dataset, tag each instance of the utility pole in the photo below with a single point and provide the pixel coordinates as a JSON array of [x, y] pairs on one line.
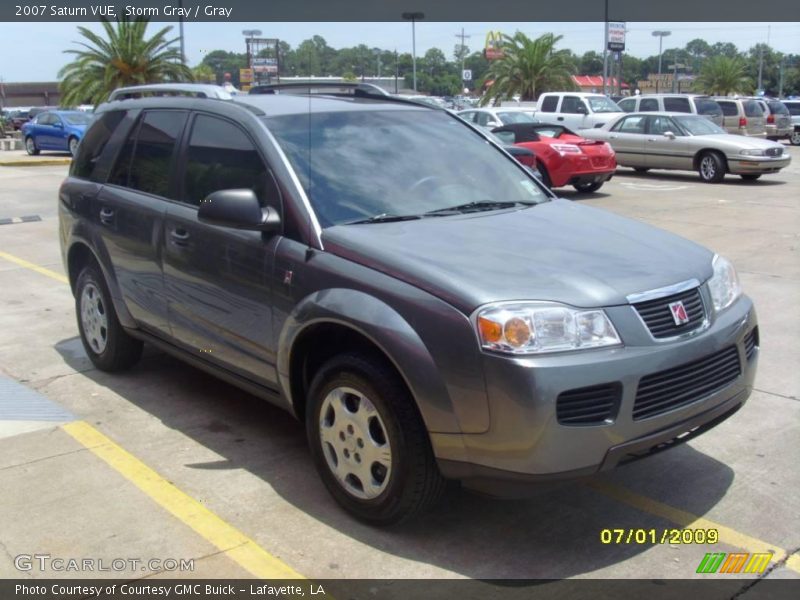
[[463, 53], [413, 17], [180, 34], [605, 47], [780, 78]]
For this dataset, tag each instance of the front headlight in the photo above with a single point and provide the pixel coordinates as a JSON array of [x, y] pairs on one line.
[[753, 152], [724, 283], [535, 328]]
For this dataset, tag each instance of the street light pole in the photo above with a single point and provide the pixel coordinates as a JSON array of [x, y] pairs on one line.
[[414, 17], [660, 35]]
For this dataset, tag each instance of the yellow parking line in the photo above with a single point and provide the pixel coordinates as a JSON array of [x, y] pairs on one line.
[[687, 520], [227, 538], [33, 267]]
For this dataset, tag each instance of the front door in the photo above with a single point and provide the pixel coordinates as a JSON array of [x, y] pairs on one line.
[[666, 152], [218, 279]]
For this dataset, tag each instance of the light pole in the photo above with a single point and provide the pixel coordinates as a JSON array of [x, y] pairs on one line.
[[660, 35], [414, 17]]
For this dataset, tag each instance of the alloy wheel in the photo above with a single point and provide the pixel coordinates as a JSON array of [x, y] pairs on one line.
[[94, 318], [708, 167]]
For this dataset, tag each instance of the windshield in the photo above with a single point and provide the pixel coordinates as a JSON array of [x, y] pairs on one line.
[[515, 117], [707, 107], [360, 164], [77, 118], [699, 125], [601, 104]]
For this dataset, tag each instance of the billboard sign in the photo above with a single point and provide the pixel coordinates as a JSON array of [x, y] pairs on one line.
[[494, 46], [616, 35]]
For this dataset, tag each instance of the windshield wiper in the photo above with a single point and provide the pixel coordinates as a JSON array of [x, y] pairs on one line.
[[385, 218], [478, 206]]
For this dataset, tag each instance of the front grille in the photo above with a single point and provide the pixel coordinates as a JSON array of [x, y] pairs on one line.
[[774, 151], [679, 386], [751, 343], [658, 317], [590, 405]]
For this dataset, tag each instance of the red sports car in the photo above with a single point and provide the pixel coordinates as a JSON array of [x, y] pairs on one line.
[[563, 157]]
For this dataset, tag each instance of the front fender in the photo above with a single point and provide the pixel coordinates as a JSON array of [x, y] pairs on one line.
[[388, 330]]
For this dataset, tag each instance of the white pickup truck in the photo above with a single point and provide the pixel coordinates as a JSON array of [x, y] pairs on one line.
[[576, 110]]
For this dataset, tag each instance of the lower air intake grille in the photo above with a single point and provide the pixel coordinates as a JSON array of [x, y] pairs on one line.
[[590, 405], [679, 386]]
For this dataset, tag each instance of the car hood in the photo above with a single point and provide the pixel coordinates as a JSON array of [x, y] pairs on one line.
[[556, 251], [739, 141]]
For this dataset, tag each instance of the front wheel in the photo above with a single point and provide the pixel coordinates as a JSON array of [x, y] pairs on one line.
[[711, 168], [109, 347], [73, 145], [368, 441], [750, 176], [588, 188], [30, 146], [795, 139]]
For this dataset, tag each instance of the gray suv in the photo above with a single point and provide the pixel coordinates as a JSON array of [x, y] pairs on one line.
[[393, 278]]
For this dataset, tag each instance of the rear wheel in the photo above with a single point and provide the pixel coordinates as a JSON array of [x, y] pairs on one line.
[[73, 145], [711, 168], [368, 441], [109, 347], [750, 176], [588, 188], [30, 146], [795, 139]]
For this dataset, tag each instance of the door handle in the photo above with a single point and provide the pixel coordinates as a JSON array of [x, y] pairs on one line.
[[180, 237], [560, 118], [652, 139], [106, 216]]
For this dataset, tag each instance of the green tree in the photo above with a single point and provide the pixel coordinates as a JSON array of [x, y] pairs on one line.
[[722, 75], [529, 68], [591, 63], [126, 56], [203, 73]]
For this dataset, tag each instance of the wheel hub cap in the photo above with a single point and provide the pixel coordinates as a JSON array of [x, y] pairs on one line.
[[355, 443], [708, 167], [94, 319]]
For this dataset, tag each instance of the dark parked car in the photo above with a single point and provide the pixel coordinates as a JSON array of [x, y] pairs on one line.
[[18, 118], [429, 314]]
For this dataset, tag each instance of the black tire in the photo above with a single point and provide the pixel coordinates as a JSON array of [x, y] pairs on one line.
[[113, 349], [413, 482], [711, 167], [588, 188], [750, 176], [545, 175], [794, 140], [30, 146], [641, 169], [72, 145]]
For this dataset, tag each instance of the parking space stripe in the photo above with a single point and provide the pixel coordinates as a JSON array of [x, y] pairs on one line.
[[687, 520], [33, 267], [232, 542]]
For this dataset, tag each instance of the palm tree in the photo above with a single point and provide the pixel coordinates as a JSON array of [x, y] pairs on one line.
[[529, 68], [722, 75], [126, 57]]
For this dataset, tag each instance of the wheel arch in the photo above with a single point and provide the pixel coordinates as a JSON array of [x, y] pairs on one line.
[[699, 154]]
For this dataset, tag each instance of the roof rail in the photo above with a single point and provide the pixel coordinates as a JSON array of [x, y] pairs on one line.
[[200, 90], [322, 87]]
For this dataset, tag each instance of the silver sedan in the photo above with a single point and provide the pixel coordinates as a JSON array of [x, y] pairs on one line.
[[662, 140]]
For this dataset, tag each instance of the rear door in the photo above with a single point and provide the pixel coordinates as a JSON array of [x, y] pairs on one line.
[[627, 137], [129, 212], [218, 279]]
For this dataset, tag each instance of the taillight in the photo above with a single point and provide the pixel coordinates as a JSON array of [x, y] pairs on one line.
[[770, 118], [742, 121]]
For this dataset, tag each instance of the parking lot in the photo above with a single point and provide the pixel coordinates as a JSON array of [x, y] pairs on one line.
[[164, 462]]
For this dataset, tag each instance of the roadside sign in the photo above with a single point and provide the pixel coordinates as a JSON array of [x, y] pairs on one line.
[[466, 75], [494, 46], [245, 75], [616, 35]]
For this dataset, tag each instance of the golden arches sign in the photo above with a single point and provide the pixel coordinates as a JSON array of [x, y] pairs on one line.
[[494, 45]]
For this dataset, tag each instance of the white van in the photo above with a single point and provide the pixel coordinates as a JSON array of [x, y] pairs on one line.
[[694, 104]]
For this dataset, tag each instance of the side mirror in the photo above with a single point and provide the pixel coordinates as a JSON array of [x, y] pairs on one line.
[[239, 209], [669, 135]]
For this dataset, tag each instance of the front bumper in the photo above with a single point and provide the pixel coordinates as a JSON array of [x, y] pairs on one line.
[[758, 165], [526, 442]]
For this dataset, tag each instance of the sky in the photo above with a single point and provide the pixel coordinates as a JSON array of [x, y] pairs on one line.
[[34, 51]]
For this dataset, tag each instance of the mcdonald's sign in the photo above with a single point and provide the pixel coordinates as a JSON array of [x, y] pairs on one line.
[[494, 46], [734, 562]]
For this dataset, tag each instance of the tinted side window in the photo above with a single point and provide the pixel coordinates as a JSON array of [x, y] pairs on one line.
[[93, 143], [752, 109], [677, 105], [148, 152], [648, 105], [221, 157], [549, 104], [728, 108], [571, 104]]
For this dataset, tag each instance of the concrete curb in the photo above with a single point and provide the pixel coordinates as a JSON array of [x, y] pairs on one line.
[[45, 162]]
